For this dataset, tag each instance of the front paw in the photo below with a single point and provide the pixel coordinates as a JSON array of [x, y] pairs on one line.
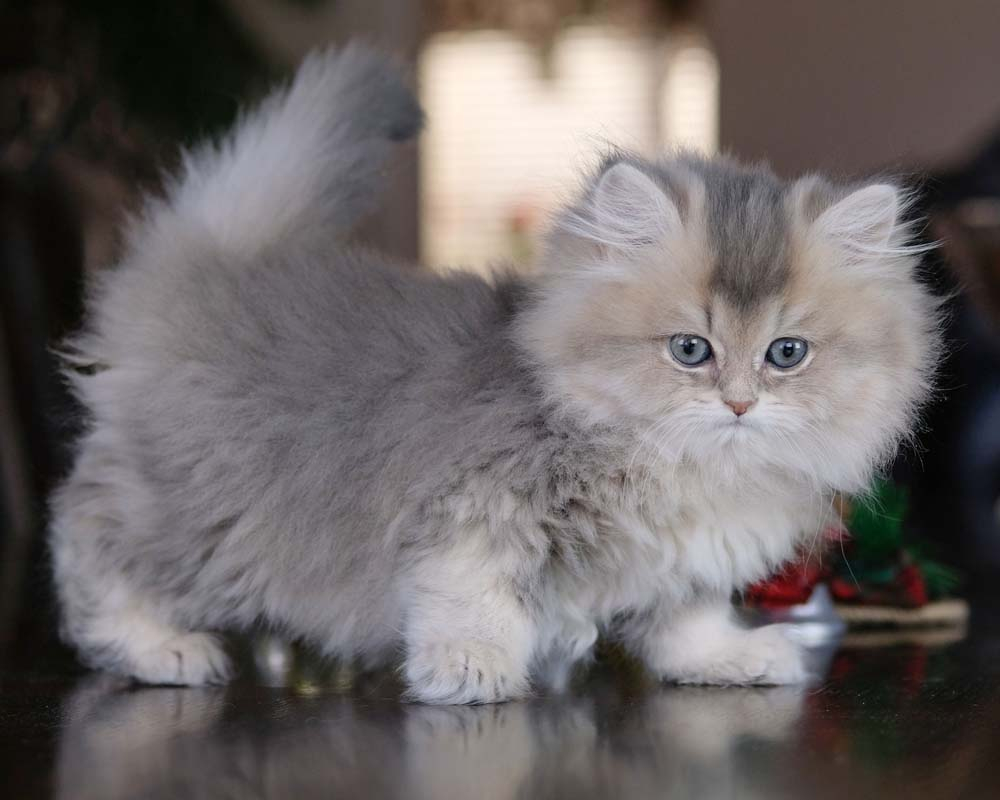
[[764, 656], [467, 671]]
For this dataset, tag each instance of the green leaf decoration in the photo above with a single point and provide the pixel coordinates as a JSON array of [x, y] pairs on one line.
[[877, 548], [876, 522]]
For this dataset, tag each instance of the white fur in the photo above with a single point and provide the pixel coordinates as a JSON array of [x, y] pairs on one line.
[[468, 639], [627, 212], [706, 646], [865, 219]]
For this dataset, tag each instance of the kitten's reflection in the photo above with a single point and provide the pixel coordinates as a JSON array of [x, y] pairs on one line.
[[120, 742]]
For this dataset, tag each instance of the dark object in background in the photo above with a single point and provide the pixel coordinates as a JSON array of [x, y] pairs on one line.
[[40, 301], [955, 479], [94, 95], [41, 272]]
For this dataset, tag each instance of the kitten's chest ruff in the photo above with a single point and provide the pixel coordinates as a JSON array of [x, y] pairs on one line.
[[673, 549]]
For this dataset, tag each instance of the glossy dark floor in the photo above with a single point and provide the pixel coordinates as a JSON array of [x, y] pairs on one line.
[[893, 718]]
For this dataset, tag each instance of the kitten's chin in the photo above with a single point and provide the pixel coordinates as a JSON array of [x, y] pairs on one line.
[[755, 448], [745, 445]]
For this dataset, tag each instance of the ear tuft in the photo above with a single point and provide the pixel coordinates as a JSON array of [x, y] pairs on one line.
[[626, 210], [865, 220]]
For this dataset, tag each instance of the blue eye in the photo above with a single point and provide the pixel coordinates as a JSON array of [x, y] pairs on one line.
[[787, 352], [690, 350]]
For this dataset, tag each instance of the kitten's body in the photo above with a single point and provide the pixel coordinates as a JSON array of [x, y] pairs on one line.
[[373, 458]]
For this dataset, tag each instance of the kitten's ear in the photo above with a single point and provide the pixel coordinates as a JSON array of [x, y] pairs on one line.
[[626, 210], [865, 220]]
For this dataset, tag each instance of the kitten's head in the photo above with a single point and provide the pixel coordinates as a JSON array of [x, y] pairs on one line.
[[737, 320]]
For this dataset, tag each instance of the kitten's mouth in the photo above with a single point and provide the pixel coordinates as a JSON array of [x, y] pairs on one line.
[[739, 427]]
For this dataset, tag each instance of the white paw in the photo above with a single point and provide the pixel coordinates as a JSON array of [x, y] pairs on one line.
[[191, 659], [762, 657], [463, 672]]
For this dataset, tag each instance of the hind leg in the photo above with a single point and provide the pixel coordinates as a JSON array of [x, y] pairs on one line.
[[113, 622], [127, 635]]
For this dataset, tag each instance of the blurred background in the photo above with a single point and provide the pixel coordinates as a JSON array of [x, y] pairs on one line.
[[97, 95]]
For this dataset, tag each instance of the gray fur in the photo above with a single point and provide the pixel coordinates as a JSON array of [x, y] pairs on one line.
[[288, 430], [748, 229]]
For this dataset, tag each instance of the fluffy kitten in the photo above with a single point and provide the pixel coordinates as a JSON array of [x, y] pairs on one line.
[[377, 459]]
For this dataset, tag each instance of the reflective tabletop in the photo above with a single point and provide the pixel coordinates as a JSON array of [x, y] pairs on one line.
[[896, 715]]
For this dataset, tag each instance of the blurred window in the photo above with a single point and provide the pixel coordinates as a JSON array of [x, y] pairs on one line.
[[512, 125]]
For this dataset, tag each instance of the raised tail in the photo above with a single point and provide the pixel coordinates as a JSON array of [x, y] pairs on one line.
[[305, 162]]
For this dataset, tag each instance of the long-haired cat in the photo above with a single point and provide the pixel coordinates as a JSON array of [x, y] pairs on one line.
[[475, 476]]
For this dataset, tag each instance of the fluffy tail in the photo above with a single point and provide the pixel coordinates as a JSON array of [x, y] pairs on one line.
[[306, 161]]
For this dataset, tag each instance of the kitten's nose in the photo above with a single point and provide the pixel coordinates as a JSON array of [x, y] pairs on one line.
[[739, 407]]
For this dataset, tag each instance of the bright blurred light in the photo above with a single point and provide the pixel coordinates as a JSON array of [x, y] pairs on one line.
[[511, 127], [689, 103]]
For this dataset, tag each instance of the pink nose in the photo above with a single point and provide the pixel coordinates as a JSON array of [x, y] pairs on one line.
[[739, 407]]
